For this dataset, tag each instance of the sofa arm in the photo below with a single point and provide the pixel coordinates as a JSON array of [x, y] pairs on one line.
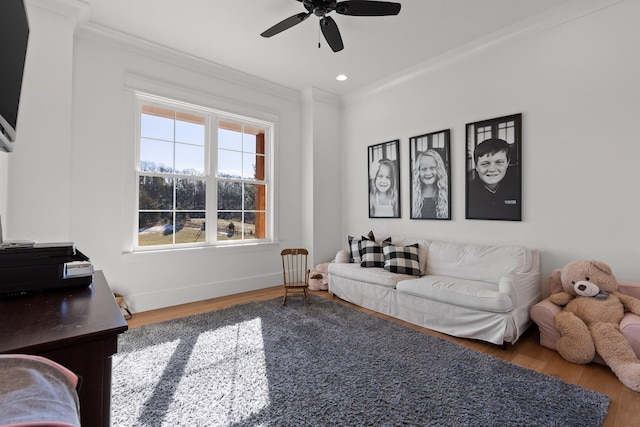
[[523, 289], [506, 285], [630, 288], [544, 314]]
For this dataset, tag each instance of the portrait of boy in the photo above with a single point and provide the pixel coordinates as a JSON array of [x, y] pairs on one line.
[[493, 169]]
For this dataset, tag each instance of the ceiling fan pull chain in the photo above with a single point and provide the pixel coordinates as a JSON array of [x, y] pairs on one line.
[[318, 37]]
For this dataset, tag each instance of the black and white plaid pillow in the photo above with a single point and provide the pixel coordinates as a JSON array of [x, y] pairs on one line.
[[372, 255], [355, 248], [401, 259]]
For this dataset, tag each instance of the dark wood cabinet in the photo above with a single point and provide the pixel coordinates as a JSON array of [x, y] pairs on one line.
[[76, 327]]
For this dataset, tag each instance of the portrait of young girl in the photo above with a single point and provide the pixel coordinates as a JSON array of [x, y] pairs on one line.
[[430, 189], [384, 193]]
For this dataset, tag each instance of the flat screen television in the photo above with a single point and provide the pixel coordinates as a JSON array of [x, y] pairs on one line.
[[14, 35]]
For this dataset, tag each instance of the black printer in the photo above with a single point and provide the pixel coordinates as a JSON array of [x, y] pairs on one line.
[[26, 269]]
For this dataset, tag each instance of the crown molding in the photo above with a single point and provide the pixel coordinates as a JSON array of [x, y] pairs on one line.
[[550, 19], [323, 96], [76, 10], [117, 39]]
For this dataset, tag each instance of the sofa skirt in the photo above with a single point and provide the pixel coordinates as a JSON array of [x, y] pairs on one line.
[[496, 328]]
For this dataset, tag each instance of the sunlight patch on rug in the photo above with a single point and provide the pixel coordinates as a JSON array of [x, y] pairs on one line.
[[233, 357], [144, 370]]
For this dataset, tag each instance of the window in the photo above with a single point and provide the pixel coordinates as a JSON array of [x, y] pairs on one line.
[[203, 176]]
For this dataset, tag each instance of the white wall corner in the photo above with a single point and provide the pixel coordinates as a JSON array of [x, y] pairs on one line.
[[76, 10]]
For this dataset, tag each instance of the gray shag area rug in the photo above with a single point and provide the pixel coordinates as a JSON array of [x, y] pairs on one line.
[[262, 364]]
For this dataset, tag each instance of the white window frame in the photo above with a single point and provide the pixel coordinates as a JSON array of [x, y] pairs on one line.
[[212, 117]]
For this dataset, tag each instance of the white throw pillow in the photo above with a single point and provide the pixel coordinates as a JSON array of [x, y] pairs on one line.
[[343, 257]]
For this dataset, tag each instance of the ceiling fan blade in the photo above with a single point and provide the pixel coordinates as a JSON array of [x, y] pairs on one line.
[[331, 33], [286, 24], [367, 8]]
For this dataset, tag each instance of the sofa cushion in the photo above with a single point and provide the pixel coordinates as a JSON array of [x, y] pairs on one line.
[[372, 255], [355, 248], [472, 294], [401, 259], [375, 276], [477, 262]]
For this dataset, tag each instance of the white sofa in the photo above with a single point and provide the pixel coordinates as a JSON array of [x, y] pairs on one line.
[[464, 290]]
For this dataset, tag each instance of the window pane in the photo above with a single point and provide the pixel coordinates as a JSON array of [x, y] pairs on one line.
[[229, 139], [190, 227], [190, 194], [249, 226], [229, 195], [189, 159], [229, 225], [254, 197], [155, 193], [192, 133], [229, 164], [249, 166], [156, 156], [249, 145], [155, 228], [156, 127]]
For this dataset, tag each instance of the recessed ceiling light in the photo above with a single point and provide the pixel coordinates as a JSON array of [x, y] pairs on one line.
[[341, 77]]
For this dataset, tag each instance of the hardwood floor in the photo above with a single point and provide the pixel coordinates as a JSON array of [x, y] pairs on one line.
[[624, 409]]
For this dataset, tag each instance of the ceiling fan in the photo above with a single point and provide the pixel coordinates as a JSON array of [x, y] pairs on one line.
[[328, 26]]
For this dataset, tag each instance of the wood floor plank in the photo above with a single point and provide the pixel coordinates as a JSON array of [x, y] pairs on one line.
[[626, 398], [527, 352]]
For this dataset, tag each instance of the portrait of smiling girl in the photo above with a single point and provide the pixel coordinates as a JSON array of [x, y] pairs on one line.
[[384, 193], [430, 192], [431, 186]]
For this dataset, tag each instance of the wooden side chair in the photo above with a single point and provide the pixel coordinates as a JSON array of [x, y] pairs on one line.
[[295, 273]]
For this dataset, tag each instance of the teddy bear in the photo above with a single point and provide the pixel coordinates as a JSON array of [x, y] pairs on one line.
[[590, 319], [319, 277]]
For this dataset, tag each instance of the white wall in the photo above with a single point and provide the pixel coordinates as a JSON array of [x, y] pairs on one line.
[[576, 85], [37, 196], [71, 175], [321, 181], [327, 180]]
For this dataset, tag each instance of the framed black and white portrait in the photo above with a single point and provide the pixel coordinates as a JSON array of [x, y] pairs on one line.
[[384, 180], [494, 175], [430, 180]]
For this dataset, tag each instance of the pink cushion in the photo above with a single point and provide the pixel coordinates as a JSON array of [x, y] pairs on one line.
[[37, 392], [544, 312]]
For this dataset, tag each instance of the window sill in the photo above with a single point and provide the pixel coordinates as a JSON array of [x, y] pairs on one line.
[[226, 248]]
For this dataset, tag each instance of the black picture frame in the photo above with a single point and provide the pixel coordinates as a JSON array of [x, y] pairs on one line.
[[384, 180], [494, 169], [430, 176]]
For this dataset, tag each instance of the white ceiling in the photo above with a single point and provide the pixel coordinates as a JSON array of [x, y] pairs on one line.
[[227, 32]]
